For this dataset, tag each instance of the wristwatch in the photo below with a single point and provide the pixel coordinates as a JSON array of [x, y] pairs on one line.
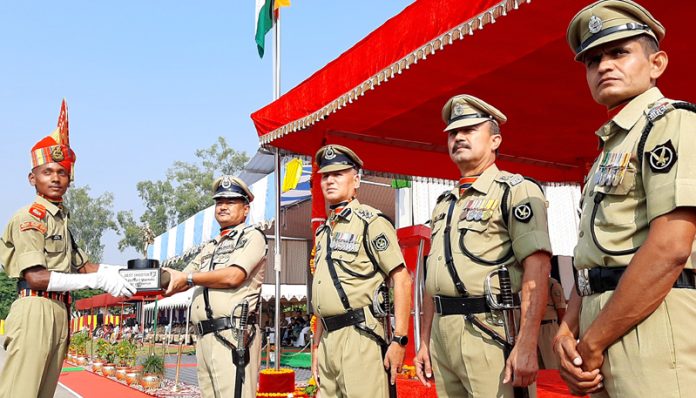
[[189, 279], [400, 340]]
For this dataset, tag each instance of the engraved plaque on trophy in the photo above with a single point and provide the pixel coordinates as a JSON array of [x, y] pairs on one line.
[[145, 274]]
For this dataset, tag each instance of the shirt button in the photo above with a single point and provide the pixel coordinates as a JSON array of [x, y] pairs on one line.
[[439, 258], [582, 233], [318, 282]]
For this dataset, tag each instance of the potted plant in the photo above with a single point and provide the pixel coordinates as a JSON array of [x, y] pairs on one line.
[[153, 371], [125, 353], [100, 349], [107, 353], [78, 348]]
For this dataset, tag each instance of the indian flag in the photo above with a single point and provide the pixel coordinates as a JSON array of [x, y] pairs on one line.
[[265, 19]]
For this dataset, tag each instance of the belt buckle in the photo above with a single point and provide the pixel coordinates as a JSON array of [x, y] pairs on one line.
[[199, 328], [438, 304], [323, 322], [582, 282]]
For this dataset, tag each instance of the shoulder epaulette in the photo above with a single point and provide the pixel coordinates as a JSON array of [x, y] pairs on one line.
[[511, 179], [366, 213], [658, 110], [444, 195], [38, 210]]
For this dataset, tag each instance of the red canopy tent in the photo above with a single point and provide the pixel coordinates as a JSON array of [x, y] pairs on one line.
[[107, 300], [383, 96]]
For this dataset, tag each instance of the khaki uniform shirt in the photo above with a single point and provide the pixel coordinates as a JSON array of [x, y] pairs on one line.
[[38, 235], [485, 234], [244, 247], [556, 300], [349, 256], [635, 193]]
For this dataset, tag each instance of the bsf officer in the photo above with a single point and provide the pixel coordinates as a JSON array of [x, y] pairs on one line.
[[227, 275], [490, 219], [38, 249], [635, 306], [555, 309], [356, 251]]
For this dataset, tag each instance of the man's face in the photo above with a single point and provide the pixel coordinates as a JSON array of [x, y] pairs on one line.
[[619, 71], [472, 145], [339, 186], [51, 180], [231, 211]]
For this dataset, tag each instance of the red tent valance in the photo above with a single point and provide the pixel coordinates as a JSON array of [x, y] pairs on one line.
[[383, 96], [107, 300]]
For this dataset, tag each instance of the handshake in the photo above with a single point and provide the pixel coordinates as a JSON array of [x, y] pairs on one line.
[[107, 278]]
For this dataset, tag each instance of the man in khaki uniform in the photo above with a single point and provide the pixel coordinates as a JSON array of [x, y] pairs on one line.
[[228, 272], [555, 309], [491, 219], [635, 306], [38, 249], [356, 251]]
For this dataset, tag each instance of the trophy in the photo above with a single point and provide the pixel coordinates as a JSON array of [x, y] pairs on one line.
[[145, 273]]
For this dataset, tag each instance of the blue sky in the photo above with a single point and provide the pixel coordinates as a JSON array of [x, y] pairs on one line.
[[148, 82]]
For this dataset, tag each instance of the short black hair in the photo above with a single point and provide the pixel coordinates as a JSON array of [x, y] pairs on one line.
[[650, 45]]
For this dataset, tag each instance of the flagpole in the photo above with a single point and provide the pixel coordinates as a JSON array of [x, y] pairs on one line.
[[277, 257]]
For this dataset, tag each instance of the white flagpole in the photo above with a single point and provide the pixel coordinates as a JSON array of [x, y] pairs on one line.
[[277, 257]]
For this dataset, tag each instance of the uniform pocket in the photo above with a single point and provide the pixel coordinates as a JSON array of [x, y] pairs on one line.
[[346, 257], [55, 244], [628, 184]]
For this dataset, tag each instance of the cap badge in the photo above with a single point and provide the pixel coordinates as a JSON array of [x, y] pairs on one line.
[[226, 182], [57, 154], [457, 110], [595, 24], [329, 153]]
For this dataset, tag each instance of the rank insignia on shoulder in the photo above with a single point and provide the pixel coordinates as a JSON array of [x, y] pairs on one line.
[[381, 243], [240, 243], [662, 157], [657, 111], [523, 212], [33, 225], [364, 214], [515, 179], [444, 195], [38, 210]]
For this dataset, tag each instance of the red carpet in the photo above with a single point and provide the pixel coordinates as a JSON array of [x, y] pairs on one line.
[[89, 385], [549, 385]]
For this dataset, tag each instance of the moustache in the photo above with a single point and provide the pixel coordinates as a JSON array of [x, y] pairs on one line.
[[459, 145]]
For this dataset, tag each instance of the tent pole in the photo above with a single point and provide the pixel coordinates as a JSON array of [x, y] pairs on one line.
[[277, 257]]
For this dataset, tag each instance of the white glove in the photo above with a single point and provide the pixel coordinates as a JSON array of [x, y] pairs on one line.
[[109, 282], [111, 268]]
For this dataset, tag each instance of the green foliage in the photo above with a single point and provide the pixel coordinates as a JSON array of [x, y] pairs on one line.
[[78, 342], [8, 294], [106, 351], [153, 364], [185, 191], [89, 219], [126, 353]]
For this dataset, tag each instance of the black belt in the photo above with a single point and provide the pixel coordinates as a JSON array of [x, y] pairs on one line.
[[350, 318], [547, 321], [463, 305], [603, 279], [218, 324]]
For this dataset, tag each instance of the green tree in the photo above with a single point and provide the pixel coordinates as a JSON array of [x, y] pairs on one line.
[[90, 218], [8, 294], [184, 192]]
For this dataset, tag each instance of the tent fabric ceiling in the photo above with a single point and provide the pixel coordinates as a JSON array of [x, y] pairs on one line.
[[521, 64]]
